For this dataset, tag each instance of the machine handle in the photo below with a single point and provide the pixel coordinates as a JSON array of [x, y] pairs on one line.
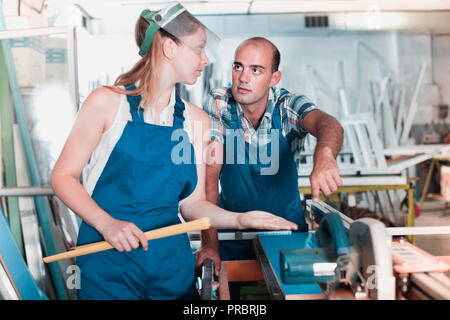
[[332, 232]]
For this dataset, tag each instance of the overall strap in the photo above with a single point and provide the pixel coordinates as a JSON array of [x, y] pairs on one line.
[[276, 118], [178, 117], [277, 124], [134, 104], [235, 123]]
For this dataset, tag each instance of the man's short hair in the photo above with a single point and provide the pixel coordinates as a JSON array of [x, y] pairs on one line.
[[276, 52]]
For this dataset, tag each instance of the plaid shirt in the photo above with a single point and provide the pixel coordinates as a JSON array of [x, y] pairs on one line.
[[293, 108]]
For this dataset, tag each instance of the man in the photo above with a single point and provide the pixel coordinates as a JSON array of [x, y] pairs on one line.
[[253, 115]]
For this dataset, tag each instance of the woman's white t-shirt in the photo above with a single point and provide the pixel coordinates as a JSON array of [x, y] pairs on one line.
[[109, 139]]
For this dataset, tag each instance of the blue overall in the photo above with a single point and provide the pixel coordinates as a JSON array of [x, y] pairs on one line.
[[244, 188], [141, 184]]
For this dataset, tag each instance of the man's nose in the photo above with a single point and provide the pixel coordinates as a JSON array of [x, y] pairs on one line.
[[244, 76]]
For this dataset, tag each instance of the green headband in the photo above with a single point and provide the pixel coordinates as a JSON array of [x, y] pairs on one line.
[[151, 30], [156, 21]]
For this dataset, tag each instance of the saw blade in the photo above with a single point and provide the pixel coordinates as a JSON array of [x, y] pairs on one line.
[[371, 258]]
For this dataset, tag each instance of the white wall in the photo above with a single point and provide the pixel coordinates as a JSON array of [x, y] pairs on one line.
[[309, 60], [441, 66], [312, 61]]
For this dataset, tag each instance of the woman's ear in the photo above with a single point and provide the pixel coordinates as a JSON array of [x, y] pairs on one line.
[[169, 48]]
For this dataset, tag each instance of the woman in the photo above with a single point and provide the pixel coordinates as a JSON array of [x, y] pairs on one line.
[[132, 181]]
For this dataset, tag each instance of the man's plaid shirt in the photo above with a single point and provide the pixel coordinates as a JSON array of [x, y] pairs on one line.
[[293, 109]]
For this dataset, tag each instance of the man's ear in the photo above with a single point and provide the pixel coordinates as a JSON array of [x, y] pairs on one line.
[[276, 77], [168, 48]]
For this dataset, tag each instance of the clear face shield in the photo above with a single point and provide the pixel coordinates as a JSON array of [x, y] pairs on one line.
[[177, 21]]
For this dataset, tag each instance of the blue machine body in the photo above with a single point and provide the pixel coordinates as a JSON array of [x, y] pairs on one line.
[[323, 263]]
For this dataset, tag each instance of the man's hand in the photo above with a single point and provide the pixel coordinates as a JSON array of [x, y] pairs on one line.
[[204, 253], [325, 175], [330, 135]]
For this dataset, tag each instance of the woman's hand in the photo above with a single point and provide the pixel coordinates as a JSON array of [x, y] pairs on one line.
[[123, 235], [263, 220]]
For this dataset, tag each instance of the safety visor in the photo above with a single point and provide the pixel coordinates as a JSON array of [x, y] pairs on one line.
[[176, 20]]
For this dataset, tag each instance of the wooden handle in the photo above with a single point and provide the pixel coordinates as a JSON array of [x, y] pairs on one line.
[[195, 225]]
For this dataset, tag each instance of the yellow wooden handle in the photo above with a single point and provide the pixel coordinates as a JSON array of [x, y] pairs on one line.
[[195, 225]]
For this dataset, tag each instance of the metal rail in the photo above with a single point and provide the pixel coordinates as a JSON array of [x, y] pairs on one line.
[[26, 191]]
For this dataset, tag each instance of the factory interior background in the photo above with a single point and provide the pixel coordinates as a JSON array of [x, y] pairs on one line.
[[378, 64]]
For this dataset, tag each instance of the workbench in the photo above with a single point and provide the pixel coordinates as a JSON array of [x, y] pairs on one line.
[[418, 275], [435, 163], [374, 184], [266, 270]]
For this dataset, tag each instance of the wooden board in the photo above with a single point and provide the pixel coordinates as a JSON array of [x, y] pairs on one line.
[[243, 270]]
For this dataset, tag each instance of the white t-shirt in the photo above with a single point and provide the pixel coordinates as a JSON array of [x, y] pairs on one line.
[[109, 139]]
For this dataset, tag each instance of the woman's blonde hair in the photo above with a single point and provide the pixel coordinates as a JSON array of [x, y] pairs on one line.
[[142, 72]]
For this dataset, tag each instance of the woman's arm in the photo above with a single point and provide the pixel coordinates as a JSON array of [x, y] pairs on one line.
[[93, 119]]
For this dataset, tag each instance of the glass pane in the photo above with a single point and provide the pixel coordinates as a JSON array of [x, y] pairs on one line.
[[48, 92]]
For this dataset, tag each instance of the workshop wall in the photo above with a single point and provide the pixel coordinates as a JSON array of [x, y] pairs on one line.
[[315, 62]]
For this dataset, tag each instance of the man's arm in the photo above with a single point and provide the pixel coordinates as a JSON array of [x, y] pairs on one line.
[[330, 134], [210, 241]]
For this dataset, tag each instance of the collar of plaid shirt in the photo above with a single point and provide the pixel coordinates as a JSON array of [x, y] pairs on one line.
[[266, 122]]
